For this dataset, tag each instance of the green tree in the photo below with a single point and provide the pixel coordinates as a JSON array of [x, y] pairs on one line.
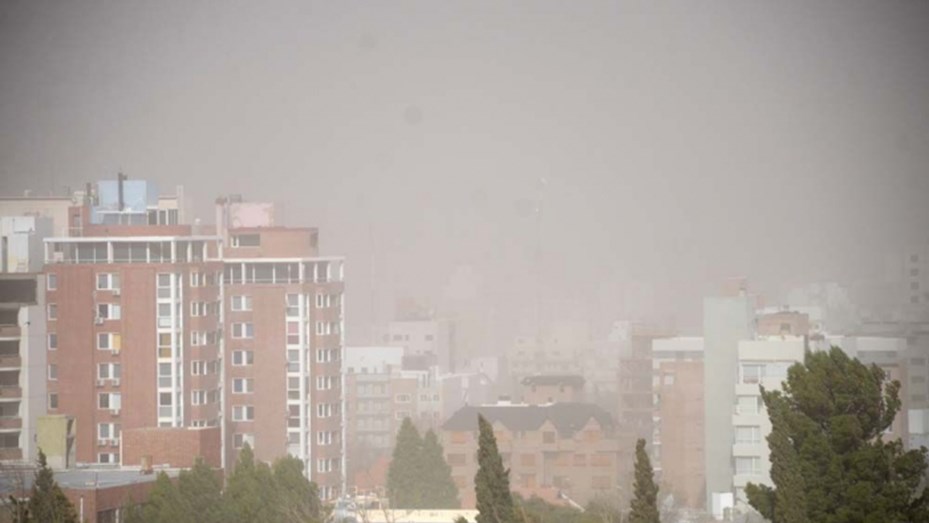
[[404, 486], [47, 503], [829, 461], [438, 487], [492, 481], [200, 487], [165, 504], [298, 497], [251, 494], [645, 496]]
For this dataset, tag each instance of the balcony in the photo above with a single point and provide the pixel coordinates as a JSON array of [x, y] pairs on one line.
[[11, 453], [10, 331], [11, 423], [10, 392], [11, 362]]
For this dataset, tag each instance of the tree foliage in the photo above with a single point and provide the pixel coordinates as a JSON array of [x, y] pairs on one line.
[[439, 490], [418, 476], [645, 492], [830, 462], [47, 502], [406, 468], [492, 481]]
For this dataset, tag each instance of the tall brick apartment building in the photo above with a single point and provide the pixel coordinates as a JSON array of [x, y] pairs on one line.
[[156, 326]]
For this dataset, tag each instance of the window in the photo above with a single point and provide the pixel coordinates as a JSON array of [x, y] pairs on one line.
[[108, 341], [749, 404], [752, 372], [53, 372], [53, 400], [109, 400], [241, 358], [197, 308], [108, 430], [246, 240], [107, 281], [107, 458], [197, 338], [402, 398], [241, 303], [52, 311], [109, 371], [748, 465], [51, 281], [750, 435], [197, 368], [243, 413], [243, 330], [323, 410], [324, 438], [240, 439], [242, 385], [52, 341], [325, 382], [108, 311], [198, 397]]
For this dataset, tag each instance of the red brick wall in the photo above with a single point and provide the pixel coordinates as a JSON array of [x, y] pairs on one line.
[[176, 447]]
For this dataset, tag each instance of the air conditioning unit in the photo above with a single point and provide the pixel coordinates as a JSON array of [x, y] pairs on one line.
[[98, 321], [100, 383], [114, 442], [114, 412], [116, 382], [116, 292]]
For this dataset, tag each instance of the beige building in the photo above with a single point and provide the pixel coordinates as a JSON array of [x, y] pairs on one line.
[[572, 447]]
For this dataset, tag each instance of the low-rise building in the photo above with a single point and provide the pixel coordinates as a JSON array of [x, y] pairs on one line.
[[569, 446]]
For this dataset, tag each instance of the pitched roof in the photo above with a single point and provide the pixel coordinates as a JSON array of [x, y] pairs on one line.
[[572, 380], [567, 418]]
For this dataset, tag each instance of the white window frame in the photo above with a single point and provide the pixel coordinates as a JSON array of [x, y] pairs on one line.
[[243, 385], [243, 331], [111, 281], [51, 312], [243, 358], [241, 303], [241, 413], [51, 281]]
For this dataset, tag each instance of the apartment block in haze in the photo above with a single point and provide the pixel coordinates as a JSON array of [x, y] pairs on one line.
[[283, 324], [133, 308]]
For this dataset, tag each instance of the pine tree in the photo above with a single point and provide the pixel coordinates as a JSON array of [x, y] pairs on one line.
[[250, 495], [200, 487], [298, 497], [404, 487], [47, 503], [165, 504], [438, 487], [645, 500], [492, 481], [830, 463]]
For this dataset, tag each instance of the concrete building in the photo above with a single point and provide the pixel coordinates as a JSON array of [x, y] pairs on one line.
[[21, 243], [572, 447], [540, 390], [428, 338], [23, 366], [762, 362], [727, 320], [677, 441], [283, 310]]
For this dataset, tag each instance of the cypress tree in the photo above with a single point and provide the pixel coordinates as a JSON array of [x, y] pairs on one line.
[[645, 500], [492, 481], [404, 476], [830, 462], [439, 490], [47, 503]]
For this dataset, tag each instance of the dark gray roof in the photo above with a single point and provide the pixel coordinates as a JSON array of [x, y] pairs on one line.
[[572, 380], [567, 418]]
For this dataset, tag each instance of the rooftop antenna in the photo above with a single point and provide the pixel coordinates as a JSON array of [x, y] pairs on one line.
[[120, 178]]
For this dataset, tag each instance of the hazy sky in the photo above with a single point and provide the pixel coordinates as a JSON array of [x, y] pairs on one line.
[[784, 141]]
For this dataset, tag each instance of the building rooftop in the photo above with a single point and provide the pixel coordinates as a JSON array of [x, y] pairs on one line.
[[571, 380], [81, 478], [567, 418]]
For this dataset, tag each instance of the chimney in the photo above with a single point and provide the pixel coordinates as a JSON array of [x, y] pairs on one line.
[[120, 178]]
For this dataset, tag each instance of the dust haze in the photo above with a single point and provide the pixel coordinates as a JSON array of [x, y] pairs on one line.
[[524, 160]]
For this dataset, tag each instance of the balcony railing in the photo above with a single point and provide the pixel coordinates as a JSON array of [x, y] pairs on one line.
[[10, 331], [7, 392], [11, 361], [11, 423], [11, 453]]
